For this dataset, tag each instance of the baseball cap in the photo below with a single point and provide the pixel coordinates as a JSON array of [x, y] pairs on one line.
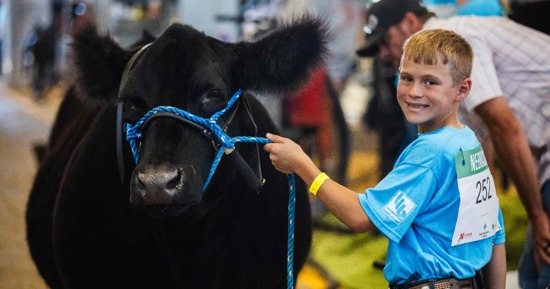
[[383, 14]]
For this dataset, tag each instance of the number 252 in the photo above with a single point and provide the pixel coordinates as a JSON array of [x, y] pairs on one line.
[[484, 187]]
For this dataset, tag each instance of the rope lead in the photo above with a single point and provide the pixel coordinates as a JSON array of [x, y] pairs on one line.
[[134, 133]]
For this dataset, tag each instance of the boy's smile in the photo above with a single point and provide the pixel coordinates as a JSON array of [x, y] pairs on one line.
[[417, 107]]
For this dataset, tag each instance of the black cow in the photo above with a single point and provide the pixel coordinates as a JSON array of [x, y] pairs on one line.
[[155, 226]]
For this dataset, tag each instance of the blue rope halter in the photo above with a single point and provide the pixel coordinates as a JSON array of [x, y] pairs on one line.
[[134, 134]]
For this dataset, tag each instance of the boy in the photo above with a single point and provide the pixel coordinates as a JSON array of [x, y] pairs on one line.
[[507, 108], [438, 206]]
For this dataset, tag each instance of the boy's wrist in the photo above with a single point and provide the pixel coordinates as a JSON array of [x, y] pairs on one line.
[[307, 171], [317, 183]]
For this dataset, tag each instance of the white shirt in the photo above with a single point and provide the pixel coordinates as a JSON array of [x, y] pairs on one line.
[[513, 61]]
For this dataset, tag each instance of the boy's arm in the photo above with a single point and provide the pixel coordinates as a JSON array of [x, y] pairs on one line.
[[513, 151], [289, 158], [494, 273], [344, 205]]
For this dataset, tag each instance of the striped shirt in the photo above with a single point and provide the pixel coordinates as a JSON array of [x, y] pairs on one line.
[[513, 61]]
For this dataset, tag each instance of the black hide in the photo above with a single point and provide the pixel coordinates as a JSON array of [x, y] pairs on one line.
[[158, 229]]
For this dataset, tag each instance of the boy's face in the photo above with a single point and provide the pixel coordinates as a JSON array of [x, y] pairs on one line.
[[427, 96]]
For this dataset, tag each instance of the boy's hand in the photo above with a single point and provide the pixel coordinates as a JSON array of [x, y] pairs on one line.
[[285, 155]]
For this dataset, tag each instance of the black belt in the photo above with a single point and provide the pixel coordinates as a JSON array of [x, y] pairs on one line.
[[448, 283]]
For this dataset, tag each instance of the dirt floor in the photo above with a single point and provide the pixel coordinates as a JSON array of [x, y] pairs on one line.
[[20, 128]]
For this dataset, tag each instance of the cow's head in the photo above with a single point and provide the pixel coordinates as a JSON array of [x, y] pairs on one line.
[[186, 69]]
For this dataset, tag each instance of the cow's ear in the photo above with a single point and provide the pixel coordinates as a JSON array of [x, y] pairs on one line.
[[98, 63], [280, 61]]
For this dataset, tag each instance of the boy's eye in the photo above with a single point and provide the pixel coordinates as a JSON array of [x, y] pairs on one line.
[[430, 82]]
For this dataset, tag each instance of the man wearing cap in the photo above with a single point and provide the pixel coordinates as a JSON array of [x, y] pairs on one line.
[[508, 106]]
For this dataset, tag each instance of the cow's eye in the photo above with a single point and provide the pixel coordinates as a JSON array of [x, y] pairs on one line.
[[135, 109], [215, 96], [213, 100], [137, 105]]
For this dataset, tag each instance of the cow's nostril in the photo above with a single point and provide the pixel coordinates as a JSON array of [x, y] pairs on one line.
[[140, 183], [176, 184]]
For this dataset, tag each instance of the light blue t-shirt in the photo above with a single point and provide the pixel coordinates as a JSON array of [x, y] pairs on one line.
[[424, 183], [481, 8], [449, 8]]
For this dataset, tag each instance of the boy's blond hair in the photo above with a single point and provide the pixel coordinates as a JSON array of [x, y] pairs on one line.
[[432, 45]]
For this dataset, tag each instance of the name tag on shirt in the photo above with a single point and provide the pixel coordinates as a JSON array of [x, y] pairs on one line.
[[478, 211]]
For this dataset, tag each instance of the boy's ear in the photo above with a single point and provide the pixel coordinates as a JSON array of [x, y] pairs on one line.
[[464, 89]]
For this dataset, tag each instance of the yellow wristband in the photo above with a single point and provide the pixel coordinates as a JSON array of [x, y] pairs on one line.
[[319, 180]]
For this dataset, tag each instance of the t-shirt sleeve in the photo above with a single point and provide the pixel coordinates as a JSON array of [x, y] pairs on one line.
[[396, 201], [500, 236]]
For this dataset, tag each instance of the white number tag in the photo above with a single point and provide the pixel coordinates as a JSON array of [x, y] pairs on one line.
[[478, 212]]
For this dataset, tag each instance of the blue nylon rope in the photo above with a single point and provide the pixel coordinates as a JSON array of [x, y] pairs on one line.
[[134, 133]]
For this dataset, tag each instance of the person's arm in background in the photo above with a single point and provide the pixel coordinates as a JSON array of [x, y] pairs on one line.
[[513, 151], [494, 273]]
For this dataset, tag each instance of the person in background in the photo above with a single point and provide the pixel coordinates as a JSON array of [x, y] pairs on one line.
[[428, 204], [508, 103], [384, 116]]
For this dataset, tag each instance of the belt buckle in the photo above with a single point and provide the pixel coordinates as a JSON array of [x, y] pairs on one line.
[[432, 284], [443, 284], [460, 284]]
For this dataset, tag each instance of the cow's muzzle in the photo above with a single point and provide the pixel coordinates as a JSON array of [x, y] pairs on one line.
[[164, 185]]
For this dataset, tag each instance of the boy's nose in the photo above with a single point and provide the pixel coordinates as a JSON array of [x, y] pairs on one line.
[[415, 90]]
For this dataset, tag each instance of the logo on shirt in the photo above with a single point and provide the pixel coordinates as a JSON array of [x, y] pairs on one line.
[[399, 207], [463, 237]]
